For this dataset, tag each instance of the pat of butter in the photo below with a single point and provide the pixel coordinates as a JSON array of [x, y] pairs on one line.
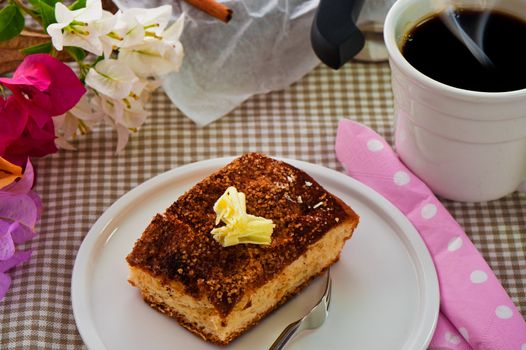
[[240, 227]]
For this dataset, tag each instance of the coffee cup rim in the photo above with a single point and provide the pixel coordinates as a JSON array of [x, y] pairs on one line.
[[396, 57]]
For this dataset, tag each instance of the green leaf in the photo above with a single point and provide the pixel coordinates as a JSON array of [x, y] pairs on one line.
[[47, 12], [11, 22], [51, 2], [36, 4], [79, 4], [40, 48], [75, 52]]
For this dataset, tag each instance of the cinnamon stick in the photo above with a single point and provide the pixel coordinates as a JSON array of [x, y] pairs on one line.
[[213, 8]]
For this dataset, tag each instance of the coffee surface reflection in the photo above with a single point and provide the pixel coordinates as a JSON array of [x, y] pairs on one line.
[[433, 49]]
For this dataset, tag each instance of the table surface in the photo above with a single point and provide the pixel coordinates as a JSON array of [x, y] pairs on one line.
[[299, 122]]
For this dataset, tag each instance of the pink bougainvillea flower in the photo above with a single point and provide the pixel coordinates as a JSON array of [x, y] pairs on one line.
[[45, 86], [13, 120], [7, 245], [35, 141], [19, 204], [20, 209]]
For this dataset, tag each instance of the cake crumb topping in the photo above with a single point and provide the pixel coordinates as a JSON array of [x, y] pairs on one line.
[[177, 245]]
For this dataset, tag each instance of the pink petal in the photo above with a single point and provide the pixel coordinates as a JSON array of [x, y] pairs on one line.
[[51, 86], [24, 185], [37, 103], [19, 208], [13, 119], [30, 73], [17, 258], [19, 234], [7, 246], [23, 234], [38, 202], [34, 142], [5, 282], [4, 225]]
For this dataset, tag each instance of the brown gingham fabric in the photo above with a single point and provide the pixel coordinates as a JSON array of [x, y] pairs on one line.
[[300, 122]]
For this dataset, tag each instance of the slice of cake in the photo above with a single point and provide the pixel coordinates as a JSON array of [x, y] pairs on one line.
[[219, 292]]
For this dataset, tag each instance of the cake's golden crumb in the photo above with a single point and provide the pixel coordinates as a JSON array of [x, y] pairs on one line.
[[177, 247]]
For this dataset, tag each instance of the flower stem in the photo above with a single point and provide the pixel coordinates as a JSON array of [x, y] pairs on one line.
[[84, 69]]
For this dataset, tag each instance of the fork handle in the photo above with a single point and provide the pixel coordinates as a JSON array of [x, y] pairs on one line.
[[285, 336]]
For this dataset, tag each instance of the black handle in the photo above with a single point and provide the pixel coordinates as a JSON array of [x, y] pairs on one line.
[[334, 35]]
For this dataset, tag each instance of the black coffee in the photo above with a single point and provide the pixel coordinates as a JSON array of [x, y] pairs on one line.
[[431, 48]]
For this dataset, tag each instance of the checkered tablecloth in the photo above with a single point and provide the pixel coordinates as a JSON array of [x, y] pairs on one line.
[[300, 122]]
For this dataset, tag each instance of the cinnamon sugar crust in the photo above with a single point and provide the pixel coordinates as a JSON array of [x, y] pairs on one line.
[[178, 245]]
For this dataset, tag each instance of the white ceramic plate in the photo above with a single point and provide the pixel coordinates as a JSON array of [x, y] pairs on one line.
[[385, 288]]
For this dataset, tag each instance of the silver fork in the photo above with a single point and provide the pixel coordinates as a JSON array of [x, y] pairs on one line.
[[314, 319]]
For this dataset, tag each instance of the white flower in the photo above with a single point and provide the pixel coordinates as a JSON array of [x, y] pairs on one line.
[[123, 135], [65, 128], [133, 25], [126, 32], [92, 12], [152, 58], [138, 51], [125, 115], [156, 56], [150, 85], [128, 112], [104, 27], [173, 33], [82, 116], [81, 28], [133, 114], [111, 78], [153, 20]]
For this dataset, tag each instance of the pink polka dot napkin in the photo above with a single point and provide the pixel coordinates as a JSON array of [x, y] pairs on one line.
[[475, 310]]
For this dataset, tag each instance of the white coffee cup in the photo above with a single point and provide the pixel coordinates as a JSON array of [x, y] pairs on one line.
[[466, 145]]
